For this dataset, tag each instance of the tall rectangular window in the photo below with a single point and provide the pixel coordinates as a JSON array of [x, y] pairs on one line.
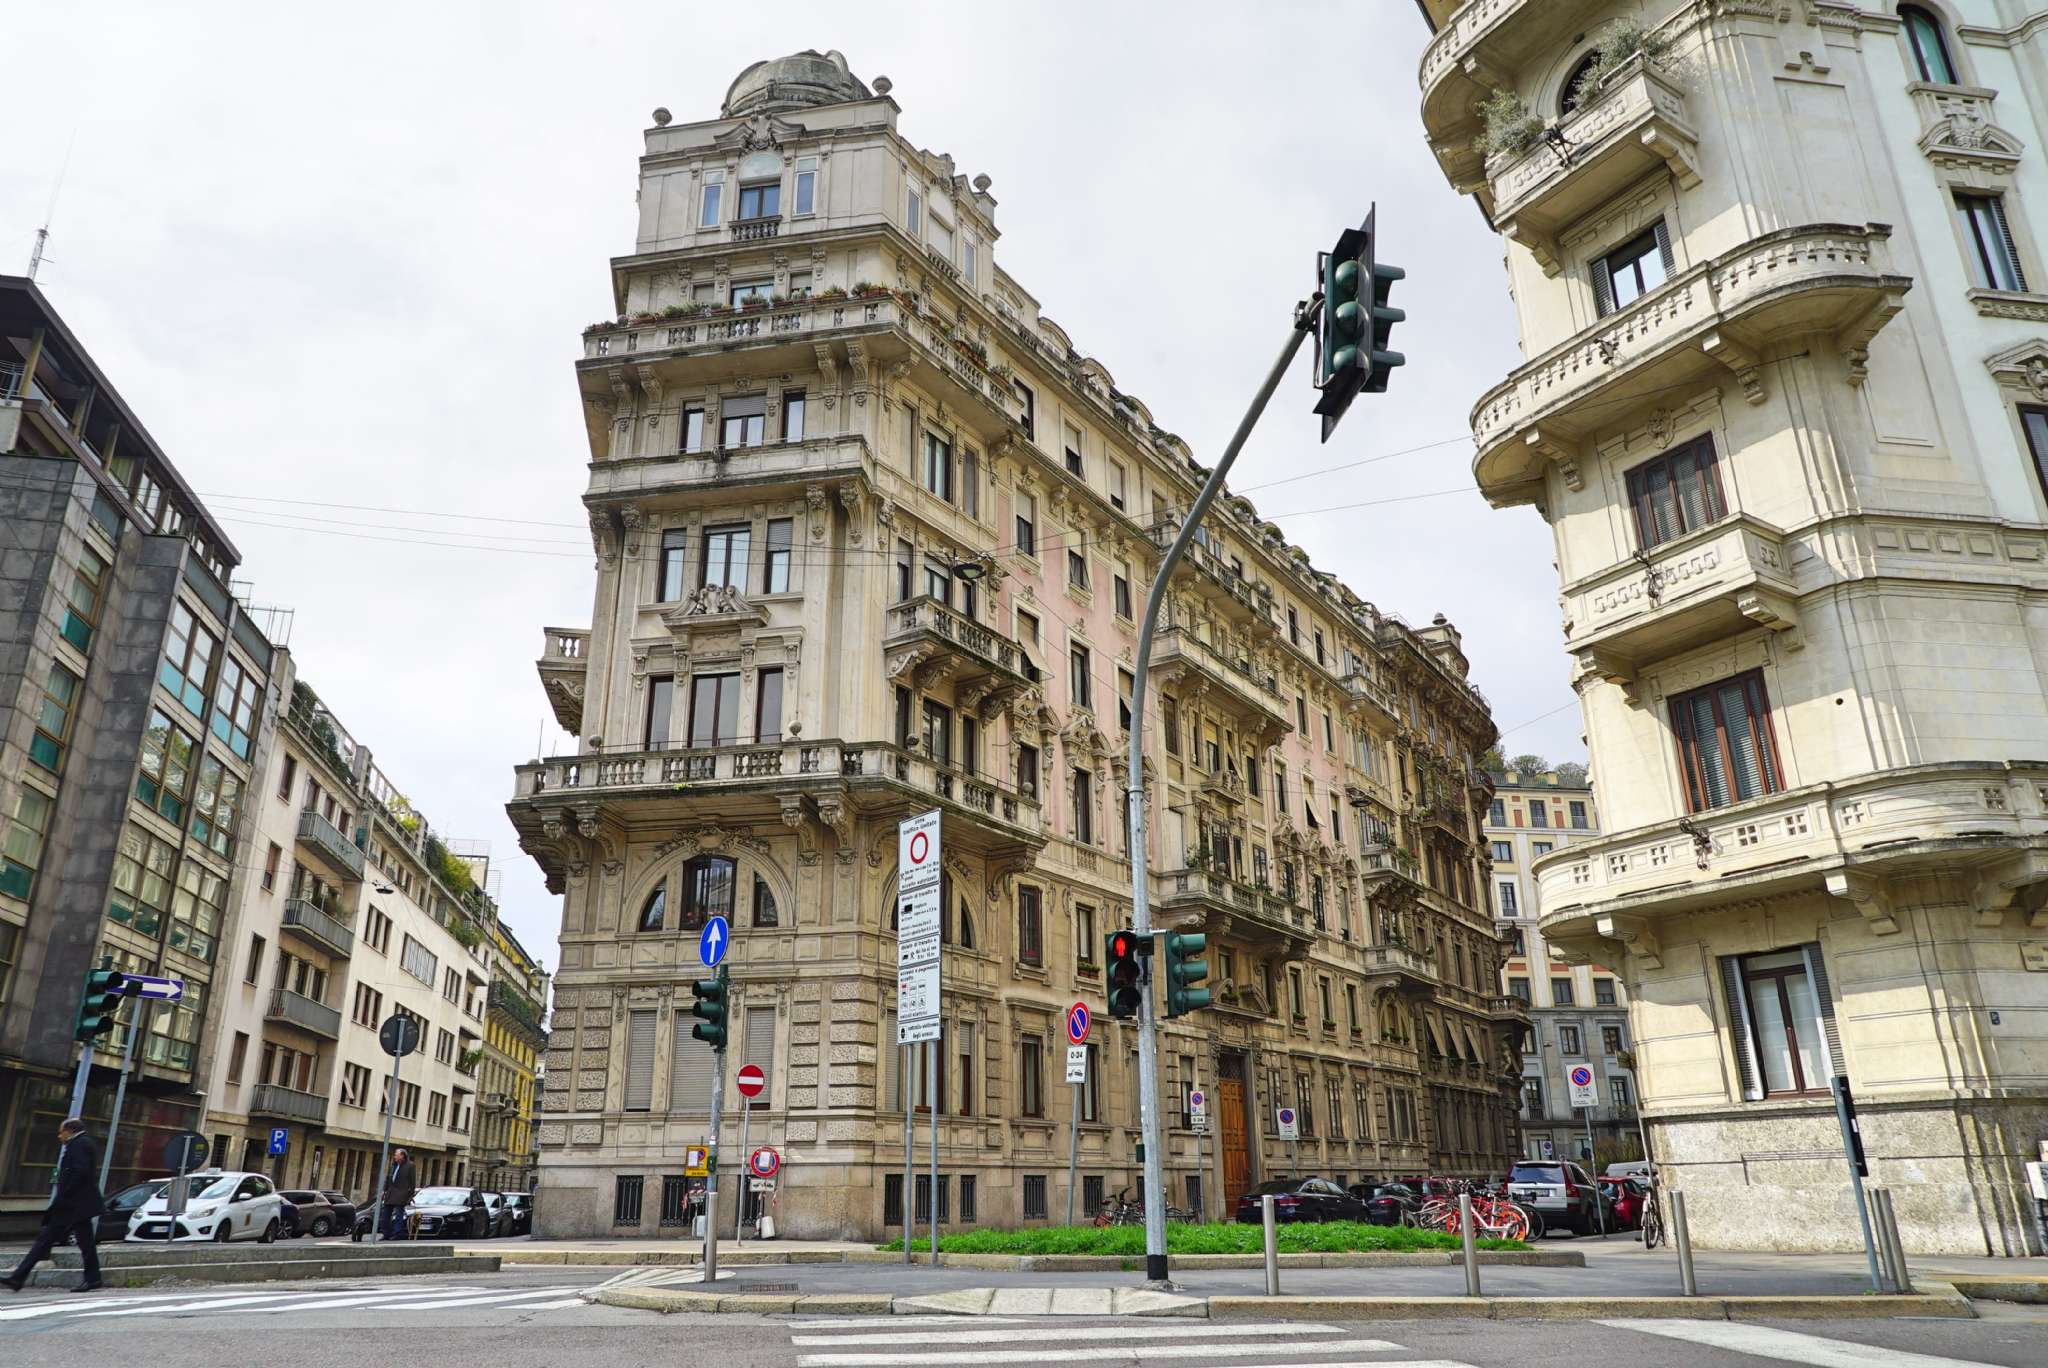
[[1031, 1085], [693, 428], [1122, 585], [1507, 899], [1078, 670], [1633, 269], [1675, 493], [1030, 925], [725, 556], [759, 201], [1781, 1020], [165, 774], [804, 198], [53, 718], [669, 588], [1029, 404], [1027, 525], [905, 558], [1578, 812], [188, 660], [714, 195], [216, 803], [1073, 449], [793, 416], [743, 421], [1561, 992], [1124, 684], [970, 481], [82, 610], [1539, 813], [1994, 256], [1084, 807], [661, 702], [234, 706], [1077, 569], [938, 466], [22, 852], [1118, 485], [714, 710], [1027, 771], [775, 572], [1725, 744], [913, 218]]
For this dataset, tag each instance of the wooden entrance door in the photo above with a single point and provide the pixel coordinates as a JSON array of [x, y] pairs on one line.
[[1230, 1115]]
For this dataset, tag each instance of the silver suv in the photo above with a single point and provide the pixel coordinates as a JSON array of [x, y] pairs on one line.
[[1562, 1193]]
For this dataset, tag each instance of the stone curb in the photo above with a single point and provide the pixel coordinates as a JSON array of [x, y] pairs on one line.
[[1052, 1263], [1937, 1299], [710, 1303], [1998, 1287]]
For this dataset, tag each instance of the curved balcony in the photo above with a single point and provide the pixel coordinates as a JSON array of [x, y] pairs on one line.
[[1197, 671], [1473, 53], [1726, 577], [1200, 900], [1986, 824], [924, 642], [1399, 968], [1634, 124], [564, 668], [1717, 319]]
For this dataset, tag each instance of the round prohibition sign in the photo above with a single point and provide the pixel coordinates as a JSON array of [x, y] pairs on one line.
[[920, 847], [1582, 1076], [1077, 1023], [764, 1162]]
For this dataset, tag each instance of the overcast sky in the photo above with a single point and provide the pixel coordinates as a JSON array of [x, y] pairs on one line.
[[342, 256]]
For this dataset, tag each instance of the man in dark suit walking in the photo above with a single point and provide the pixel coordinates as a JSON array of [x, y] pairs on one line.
[[75, 1204], [401, 1181]]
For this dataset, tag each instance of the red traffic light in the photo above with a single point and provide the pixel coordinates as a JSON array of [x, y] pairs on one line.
[[1121, 945]]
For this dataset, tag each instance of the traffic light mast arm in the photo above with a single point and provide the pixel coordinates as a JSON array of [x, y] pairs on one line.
[[1141, 909]]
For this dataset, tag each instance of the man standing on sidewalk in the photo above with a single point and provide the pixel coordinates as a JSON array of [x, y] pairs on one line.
[[74, 1206], [400, 1183]]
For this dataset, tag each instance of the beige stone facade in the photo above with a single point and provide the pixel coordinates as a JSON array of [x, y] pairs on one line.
[[1781, 289], [822, 398]]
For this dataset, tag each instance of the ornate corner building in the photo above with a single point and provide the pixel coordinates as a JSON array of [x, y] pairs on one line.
[[1782, 301], [871, 536]]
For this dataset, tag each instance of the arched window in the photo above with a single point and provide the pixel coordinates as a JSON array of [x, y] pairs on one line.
[[655, 910], [966, 925], [1930, 45], [1578, 87], [707, 890], [764, 904]]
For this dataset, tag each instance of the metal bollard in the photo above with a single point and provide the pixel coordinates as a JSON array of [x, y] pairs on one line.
[[1272, 1246], [1889, 1243], [1471, 1247], [1681, 1239]]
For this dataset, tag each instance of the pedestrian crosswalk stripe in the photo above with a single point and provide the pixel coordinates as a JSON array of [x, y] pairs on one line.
[[14, 1313], [198, 1303], [1076, 1334], [481, 1300], [1114, 1353], [906, 1322], [659, 1277], [329, 1301], [1789, 1345], [553, 1305]]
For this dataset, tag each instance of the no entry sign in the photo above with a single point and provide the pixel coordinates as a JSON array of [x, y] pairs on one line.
[[764, 1162], [751, 1080]]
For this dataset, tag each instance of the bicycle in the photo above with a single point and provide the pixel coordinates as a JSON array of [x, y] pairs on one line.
[[1653, 1213]]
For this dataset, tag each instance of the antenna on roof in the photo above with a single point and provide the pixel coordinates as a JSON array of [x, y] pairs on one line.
[[35, 256]]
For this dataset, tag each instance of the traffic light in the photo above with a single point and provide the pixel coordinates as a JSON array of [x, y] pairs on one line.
[[1351, 340], [1183, 971], [102, 999], [710, 1008], [1127, 977]]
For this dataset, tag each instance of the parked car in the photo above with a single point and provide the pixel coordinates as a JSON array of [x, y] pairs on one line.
[[1629, 1168], [344, 1210], [1388, 1204], [501, 1214], [520, 1205], [449, 1212], [1561, 1192], [1625, 1196], [222, 1206], [1300, 1199], [113, 1222], [315, 1213]]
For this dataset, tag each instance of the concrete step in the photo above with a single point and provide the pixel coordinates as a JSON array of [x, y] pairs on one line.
[[255, 1269], [125, 1255]]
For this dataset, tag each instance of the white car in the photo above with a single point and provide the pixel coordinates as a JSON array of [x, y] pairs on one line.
[[222, 1207]]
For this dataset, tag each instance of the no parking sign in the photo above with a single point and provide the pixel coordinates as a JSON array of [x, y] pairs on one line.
[[1581, 1080]]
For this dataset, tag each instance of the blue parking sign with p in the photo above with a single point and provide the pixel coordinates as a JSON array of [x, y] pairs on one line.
[[280, 1138]]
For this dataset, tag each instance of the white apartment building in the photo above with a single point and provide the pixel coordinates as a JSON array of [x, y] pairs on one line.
[[1783, 296], [1578, 1012], [357, 913]]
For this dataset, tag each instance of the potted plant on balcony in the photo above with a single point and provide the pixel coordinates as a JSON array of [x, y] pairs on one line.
[[1508, 129], [832, 292], [867, 289], [1615, 47]]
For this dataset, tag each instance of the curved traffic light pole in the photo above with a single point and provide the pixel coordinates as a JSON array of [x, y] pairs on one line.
[[1141, 910]]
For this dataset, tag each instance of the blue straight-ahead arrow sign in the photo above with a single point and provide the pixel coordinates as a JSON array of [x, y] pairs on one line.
[[162, 989], [712, 943]]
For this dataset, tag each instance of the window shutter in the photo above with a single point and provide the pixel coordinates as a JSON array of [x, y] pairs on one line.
[[1663, 236], [639, 1061], [1824, 1005], [691, 1067], [2012, 251], [1603, 289], [892, 1065], [761, 1043], [1738, 1028]]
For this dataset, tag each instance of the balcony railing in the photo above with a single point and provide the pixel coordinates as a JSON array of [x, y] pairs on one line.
[[514, 1004], [296, 1009], [272, 1099], [1459, 67], [920, 628], [1252, 694], [753, 230], [1706, 584], [312, 924], [1240, 596], [333, 849], [1636, 121], [664, 773], [1400, 967], [799, 318], [1243, 912], [564, 670], [1829, 279]]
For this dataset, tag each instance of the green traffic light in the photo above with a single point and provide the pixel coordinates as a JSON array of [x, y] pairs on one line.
[[1345, 277], [104, 989], [710, 1009], [1348, 321], [1184, 972]]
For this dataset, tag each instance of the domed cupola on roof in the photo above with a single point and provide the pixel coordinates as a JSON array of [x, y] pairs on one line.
[[801, 80]]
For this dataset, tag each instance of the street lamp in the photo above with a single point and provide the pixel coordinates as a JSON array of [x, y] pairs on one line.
[[970, 571]]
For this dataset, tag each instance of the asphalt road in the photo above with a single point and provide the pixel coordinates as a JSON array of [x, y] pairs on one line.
[[536, 1317]]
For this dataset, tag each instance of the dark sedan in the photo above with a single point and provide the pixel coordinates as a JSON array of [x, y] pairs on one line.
[[1300, 1199], [344, 1210], [316, 1213], [451, 1211], [113, 1221], [520, 1204], [1388, 1204]]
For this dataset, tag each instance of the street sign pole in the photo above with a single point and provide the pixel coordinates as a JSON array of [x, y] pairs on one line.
[[1859, 1169], [920, 920], [1141, 908], [1593, 1163], [739, 1225], [1074, 1150], [140, 1024], [931, 1095], [384, 1153], [711, 1178], [904, 1081]]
